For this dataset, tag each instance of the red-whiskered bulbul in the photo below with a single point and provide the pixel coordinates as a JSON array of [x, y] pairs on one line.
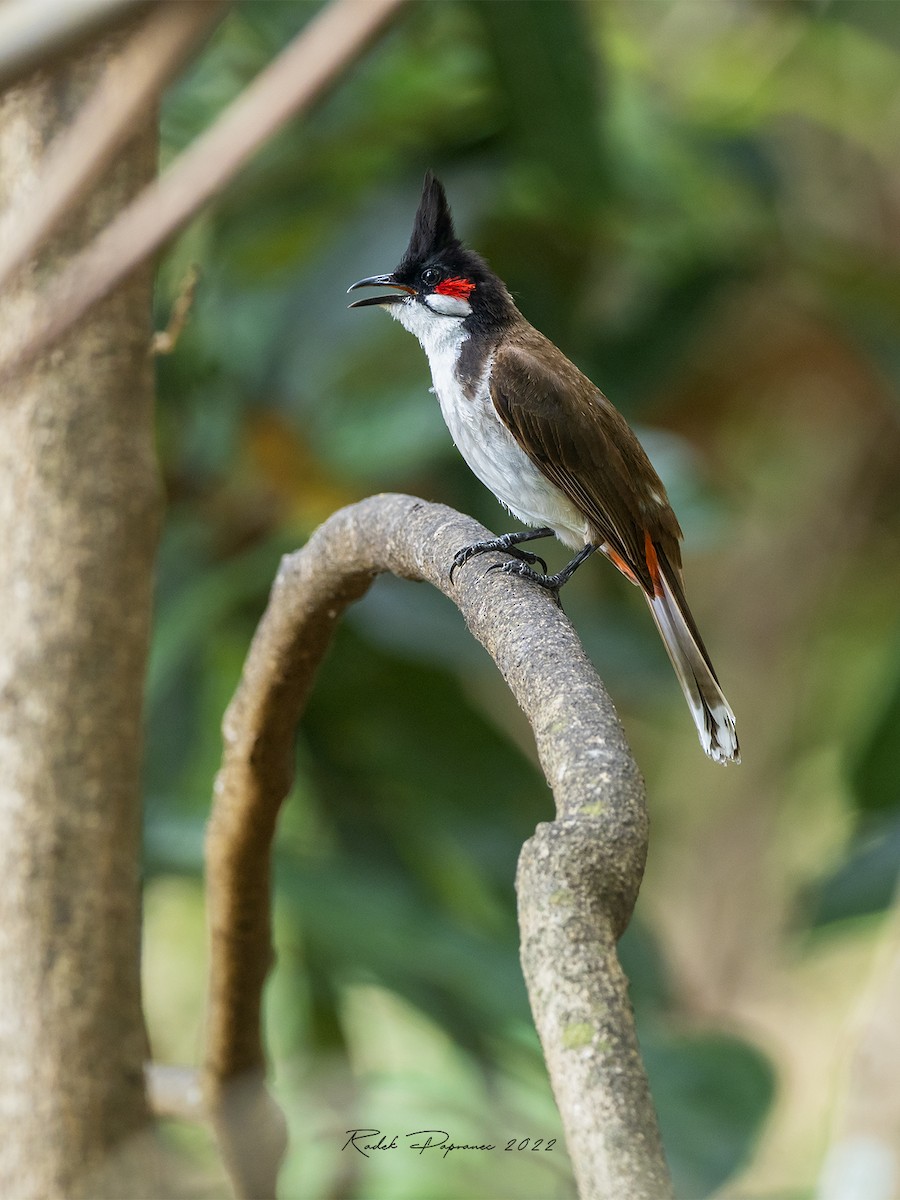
[[547, 443]]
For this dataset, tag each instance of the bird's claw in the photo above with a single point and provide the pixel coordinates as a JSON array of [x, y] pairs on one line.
[[522, 568], [524, 556], [527, 556], [460, 557], [550, 583]]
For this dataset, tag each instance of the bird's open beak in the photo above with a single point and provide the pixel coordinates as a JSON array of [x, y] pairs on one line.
[[381, 281]]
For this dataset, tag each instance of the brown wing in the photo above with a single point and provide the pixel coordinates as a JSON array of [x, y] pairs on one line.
[[586, 448]]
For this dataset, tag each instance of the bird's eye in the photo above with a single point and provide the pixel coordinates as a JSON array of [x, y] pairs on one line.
[[430, 277]]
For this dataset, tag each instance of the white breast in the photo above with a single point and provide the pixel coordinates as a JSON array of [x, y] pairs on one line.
[[482, 439]]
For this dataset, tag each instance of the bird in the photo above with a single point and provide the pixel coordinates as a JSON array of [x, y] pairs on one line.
[[547, 442]]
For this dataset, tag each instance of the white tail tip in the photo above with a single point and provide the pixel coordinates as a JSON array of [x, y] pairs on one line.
[[718, 736]]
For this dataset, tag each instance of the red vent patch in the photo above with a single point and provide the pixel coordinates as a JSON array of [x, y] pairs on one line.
[[459, 289]]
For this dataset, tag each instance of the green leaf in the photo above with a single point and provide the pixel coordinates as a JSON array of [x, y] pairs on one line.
[[875, 774], [712, 1094]]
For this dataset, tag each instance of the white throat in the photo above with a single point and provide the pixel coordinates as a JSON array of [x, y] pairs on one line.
[[439, 335]]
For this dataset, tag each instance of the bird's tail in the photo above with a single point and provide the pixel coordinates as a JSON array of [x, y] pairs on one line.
[[711, 711]]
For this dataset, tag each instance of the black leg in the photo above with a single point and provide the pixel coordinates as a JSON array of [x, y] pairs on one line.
[[509, 543], [552, 582]]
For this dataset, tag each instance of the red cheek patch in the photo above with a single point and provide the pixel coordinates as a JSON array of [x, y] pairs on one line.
[[459, 289]]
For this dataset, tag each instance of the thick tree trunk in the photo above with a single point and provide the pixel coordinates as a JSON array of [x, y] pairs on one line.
[[79, 517]]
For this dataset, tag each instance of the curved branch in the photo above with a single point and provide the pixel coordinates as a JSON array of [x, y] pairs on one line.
[[578, 877]]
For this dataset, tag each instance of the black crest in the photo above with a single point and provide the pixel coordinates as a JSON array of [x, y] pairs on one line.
[[434, 243], [433, 231]]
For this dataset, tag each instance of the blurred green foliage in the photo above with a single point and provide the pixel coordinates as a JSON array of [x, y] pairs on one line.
[[698, 202]]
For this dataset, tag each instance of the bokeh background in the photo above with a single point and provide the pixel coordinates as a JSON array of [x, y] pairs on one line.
[[699, 201]]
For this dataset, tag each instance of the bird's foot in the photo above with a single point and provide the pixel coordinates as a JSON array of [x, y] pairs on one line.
[[506, 543], [552, 583]]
